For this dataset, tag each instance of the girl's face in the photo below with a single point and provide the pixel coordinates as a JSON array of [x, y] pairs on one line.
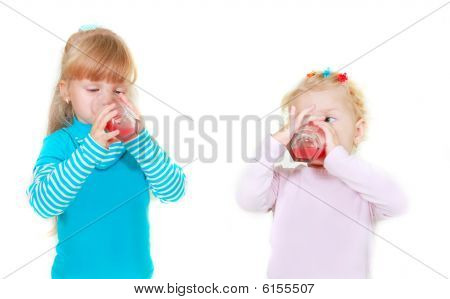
[[334, 104], [89, 97]]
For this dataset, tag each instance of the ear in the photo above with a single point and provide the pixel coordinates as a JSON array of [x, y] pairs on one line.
[[360, 129], [63, 90]]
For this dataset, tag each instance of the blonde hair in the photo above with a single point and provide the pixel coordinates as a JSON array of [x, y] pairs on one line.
[[315, 81], [97, 54]]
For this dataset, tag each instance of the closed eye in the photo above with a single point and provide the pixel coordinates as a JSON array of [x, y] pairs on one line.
[[93, 90]]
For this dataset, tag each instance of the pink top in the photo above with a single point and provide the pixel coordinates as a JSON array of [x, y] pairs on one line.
[[322, 217]]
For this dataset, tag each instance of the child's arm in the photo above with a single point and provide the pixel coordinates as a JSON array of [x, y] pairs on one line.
[[258, 186], [385, 197], [166, 179], [56, 180]]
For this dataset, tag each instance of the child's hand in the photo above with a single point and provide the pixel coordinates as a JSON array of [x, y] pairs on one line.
[[133, 108], [285, 134], [331, 137], [98, 127]]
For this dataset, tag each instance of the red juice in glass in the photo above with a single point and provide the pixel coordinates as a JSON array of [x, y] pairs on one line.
[[308, 144], [125, 121]]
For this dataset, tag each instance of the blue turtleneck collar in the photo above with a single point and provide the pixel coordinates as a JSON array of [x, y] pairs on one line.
[[80, 129]]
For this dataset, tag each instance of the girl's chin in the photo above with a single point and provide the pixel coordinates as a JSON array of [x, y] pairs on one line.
[[85, 120]]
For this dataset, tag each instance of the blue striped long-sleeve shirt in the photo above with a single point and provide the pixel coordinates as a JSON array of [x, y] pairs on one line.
[[101, 200], [56, 184], [165, 178]]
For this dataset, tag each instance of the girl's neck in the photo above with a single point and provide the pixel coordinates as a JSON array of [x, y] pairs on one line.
[[80, 128], [80, 120]]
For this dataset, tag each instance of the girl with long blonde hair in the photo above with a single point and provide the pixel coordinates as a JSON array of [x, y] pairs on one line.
[[93, 182]]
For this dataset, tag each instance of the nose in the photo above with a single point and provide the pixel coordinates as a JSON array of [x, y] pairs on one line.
[[106, 98]]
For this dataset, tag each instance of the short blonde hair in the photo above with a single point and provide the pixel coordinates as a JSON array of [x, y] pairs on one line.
[[316, 81]]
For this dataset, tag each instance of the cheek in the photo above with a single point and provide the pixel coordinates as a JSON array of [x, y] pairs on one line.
[[345, 132], [83, 104]]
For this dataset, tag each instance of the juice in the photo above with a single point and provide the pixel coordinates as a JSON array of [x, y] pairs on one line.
[[308, 144], [125, 122], [127, 130]]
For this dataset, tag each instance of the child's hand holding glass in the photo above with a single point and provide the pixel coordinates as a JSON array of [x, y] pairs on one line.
[[331, 137], [285, 134], [130, 105], [98, 127], [308, 137], [127, 121]]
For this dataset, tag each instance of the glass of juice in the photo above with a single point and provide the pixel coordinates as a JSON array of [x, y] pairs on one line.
[[125, 121], [308, 144]]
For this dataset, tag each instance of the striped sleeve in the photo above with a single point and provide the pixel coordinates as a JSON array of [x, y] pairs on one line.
[[56, 183], [166, 179]]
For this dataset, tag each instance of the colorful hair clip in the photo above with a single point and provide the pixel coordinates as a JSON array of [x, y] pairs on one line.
[[342, 77], [87, 27], [326, 73], [309, 75]]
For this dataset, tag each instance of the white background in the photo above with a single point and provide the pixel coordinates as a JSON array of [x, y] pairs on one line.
[[240, 58]]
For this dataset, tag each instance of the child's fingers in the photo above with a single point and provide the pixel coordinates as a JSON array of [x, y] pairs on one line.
[[316, 118], [105, 111], [112, 134], [296, 121], [100, 116], [302, 114], [111, 137], [329, 139], [320, 125], [107, 118], [291, 119], [330, 132], [330, 127]]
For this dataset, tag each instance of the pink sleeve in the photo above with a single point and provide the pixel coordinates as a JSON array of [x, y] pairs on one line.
[[258, 186], [383, 194]]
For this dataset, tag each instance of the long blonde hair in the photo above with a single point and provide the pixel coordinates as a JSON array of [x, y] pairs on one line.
[[97, 54]]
